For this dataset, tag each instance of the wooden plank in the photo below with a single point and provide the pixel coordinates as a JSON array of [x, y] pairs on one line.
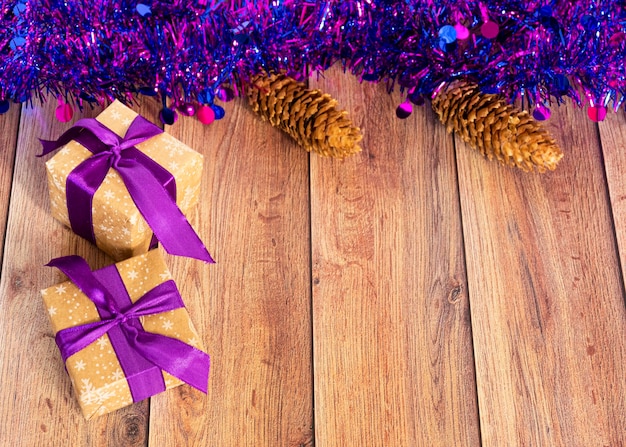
[[39, 406], [613, 137], [253, 306], [8, 138], [392, 338], [547, 303]]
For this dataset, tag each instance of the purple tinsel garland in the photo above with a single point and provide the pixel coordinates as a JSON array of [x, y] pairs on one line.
[[185, 50]]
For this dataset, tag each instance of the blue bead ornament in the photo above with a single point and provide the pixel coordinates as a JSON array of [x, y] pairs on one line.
[[370, 77], [447, 33], [144, 10], [241, 39], [545, 11], [589, 23], [87, 97], [17, 42], [19, 8], [168, 116], [416, 98], [147, 91], [219, 111]]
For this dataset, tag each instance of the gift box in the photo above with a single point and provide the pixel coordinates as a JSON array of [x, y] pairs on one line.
[[118, 178], [123, 332]]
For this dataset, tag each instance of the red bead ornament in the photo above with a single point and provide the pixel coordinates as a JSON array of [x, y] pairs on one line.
[[596, 113], [490, 29], [205, 114], [64, 112]]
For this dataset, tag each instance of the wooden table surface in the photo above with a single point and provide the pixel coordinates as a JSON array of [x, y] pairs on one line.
[[412, 295]]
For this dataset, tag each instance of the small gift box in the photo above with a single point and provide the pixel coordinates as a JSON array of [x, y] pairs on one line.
[[123, 332], [119, 178]]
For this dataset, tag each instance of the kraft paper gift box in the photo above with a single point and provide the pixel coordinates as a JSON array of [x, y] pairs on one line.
[[116, 223], [115, 358]]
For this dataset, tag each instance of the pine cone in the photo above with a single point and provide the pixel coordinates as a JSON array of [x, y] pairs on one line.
[[497, 129], [309, 116]]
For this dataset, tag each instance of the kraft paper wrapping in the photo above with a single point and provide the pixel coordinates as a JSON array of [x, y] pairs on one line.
[[119, 228], [95, 371]]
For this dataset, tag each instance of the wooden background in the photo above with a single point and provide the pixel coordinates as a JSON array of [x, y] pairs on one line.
[[412, 295]]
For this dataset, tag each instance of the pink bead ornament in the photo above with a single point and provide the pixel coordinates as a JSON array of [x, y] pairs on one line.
[[490, 29], [205, 114], [596, 113], [64, 112], [462, 32]]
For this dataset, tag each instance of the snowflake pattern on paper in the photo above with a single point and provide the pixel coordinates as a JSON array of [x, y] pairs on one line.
[[190, 196], [95, 371], [90, 395], [115, 115], [119, 228]]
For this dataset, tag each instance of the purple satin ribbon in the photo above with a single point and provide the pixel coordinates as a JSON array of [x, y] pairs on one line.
[[142, 355], [152, 188]]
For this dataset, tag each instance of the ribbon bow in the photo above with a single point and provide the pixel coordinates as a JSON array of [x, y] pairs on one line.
[[141, 354], [151, 187]]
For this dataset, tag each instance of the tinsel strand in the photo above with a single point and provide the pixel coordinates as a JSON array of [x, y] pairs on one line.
[[93, 51]]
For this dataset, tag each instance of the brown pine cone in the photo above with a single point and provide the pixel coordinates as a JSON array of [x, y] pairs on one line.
[[309, 116], [495, 128]]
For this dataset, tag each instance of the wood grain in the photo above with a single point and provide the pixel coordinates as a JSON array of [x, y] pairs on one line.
[[253, 306], [547, 304], [39, 406], [392, 338], [613, 138], [354, 294], [8, 138]]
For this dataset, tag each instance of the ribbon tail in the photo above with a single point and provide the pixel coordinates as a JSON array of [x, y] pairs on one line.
[[173, 356], [71, 134], [162, 214], [139, 130], [48, 146], [78, 271]]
